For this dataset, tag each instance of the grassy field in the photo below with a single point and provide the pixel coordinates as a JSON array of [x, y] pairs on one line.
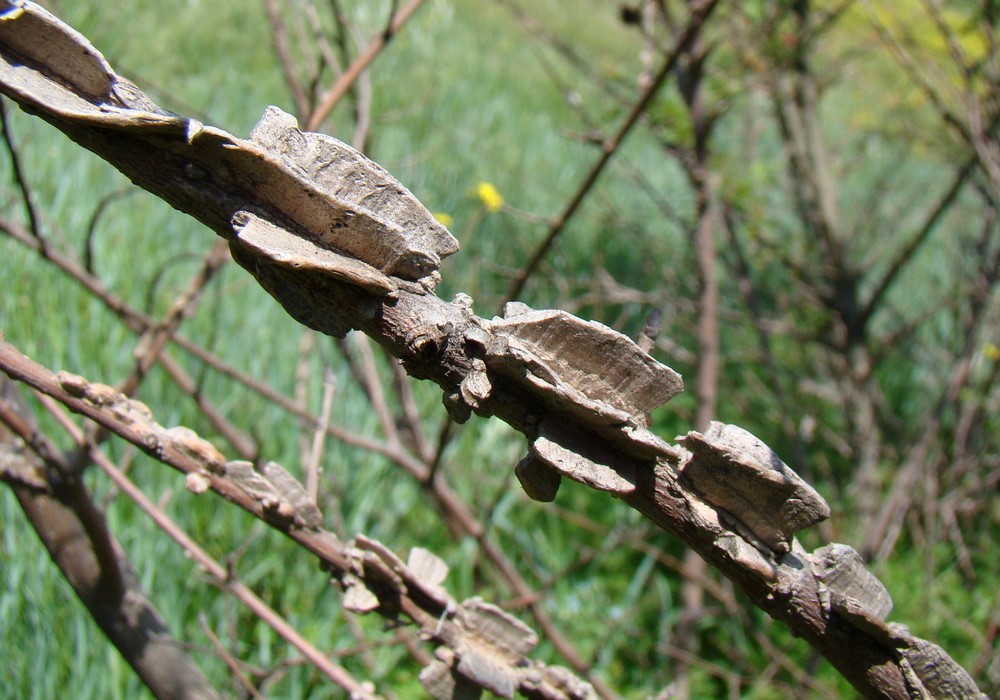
[[463, 95]]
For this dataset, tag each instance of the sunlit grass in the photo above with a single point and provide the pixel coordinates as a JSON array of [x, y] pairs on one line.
[[454, 106]]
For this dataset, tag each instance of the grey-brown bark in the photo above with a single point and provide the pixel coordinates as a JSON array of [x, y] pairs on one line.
[[374, 579], [72, 529], [336, 264]]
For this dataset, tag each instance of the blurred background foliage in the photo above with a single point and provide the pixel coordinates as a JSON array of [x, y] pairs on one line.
[[844, 380]]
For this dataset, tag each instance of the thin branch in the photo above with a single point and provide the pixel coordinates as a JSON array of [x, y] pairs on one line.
[[700, 14], [319, 435], [140, 323], [746, 283], [230, 660], [99, 210], [154, 339], [304, 375], [884, 529], [67, 486], [368, 375], [412, 423], [910, 65], [364, 59], [328, 60], [34, 222], [567, 50], [908, 251], [282, 49], [71, 528], [400, 589], [218, 571]]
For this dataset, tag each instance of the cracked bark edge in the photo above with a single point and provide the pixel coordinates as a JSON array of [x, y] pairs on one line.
[[323, 189], [436, 340], [734, 470]]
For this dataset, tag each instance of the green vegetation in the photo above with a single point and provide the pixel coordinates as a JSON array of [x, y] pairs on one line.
[[464, 95]]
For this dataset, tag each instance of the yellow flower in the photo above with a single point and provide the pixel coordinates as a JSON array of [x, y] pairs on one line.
[[489, 196], [991, 351], [444, 219]]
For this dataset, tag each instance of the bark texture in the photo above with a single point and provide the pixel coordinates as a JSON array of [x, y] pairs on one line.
[[366, 257]]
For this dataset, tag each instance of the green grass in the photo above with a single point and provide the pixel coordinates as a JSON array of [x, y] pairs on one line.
[[460, 97]]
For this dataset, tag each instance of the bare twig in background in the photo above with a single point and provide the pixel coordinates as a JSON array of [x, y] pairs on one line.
[[703, 116], [884, 528], [414, 431], [364, 59], [223, 576], [428, 475], [99, 211], [153, 340], [316, 453], [282, 49], [74, 532], [700, 13], [34, 221], [151, 343], [231, 661]]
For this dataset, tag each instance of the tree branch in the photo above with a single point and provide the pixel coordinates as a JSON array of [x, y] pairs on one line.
[[577, 390], [609, 146], [380, 581], [364, 59], [73, 531]]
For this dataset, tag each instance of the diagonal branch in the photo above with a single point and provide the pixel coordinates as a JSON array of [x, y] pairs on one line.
[[908, 251], [579, 391], [380, 581], [282, 49], [34, 221], [610, 145], [219, 572], [364, 59], [76, 537]]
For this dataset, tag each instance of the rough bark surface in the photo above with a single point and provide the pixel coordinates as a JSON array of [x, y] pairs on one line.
[[365, 256]]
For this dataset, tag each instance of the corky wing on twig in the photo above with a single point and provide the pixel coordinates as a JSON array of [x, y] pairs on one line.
[[263, 190], [313, 185]]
